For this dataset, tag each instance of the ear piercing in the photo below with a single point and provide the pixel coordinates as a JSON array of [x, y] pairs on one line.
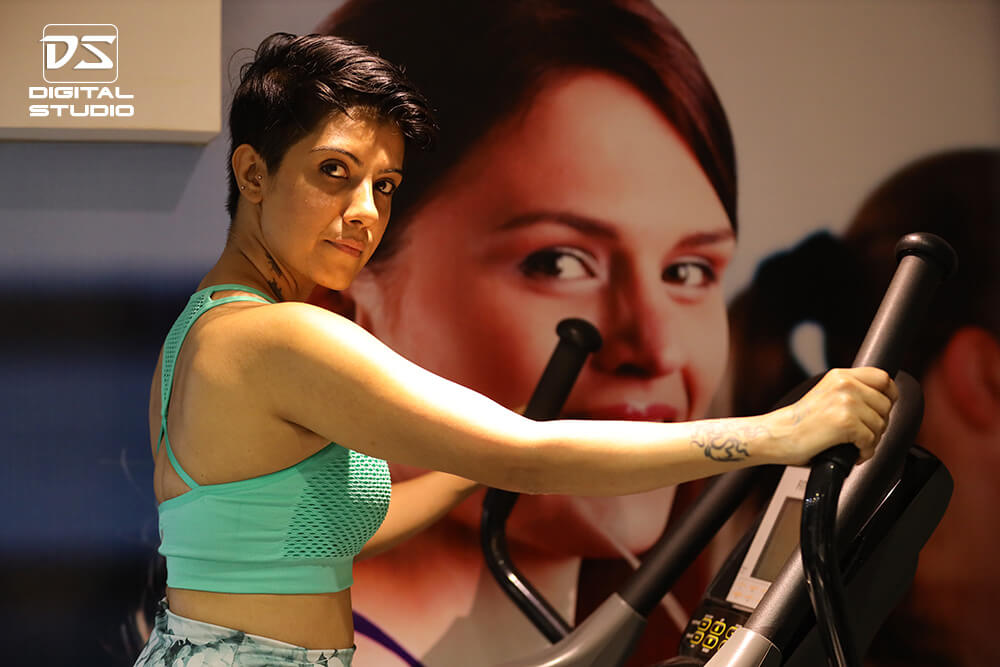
[[243, 187]]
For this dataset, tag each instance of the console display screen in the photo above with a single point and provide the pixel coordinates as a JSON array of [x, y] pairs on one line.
[[782, 541]]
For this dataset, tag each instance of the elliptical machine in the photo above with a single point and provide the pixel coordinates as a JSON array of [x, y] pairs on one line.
[[756, 612]]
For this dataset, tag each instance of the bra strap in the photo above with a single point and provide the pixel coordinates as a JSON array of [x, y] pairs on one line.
[[181, 472], [212, 289], [199, 303]]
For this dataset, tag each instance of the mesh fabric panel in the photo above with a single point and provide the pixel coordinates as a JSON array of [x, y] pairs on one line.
[[342, 505]]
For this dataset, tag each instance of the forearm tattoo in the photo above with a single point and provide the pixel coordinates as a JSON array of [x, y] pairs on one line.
[[723, 441]]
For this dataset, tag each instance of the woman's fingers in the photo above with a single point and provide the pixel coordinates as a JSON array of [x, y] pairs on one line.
[[871, 430], [846, 405], [876, 400], [867, 395], [877, 379]]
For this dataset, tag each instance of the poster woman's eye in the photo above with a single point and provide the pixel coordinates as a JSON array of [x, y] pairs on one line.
[[690, 274], [386, 187], [559, 263]]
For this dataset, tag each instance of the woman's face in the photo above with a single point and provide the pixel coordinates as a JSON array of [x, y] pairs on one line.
[[588, 205], [325, 208]]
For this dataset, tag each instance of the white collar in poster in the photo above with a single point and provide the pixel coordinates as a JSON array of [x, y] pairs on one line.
[[83, 57]]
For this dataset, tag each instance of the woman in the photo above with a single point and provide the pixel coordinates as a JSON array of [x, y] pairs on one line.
[[584, 149], [269, 417]]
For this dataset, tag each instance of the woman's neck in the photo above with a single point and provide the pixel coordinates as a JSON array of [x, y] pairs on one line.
[[246, 261]]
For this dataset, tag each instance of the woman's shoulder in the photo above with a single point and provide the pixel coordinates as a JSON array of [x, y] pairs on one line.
[[266, 322], [264, 334]]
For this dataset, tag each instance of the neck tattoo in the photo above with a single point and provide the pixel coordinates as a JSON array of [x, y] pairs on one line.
[[274, 264], [273, 284]]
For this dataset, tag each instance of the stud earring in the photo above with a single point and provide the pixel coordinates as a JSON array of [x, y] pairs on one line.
[[243, 187]]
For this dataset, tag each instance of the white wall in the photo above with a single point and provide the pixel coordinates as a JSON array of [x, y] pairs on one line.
[[103, 211], [826, 98]]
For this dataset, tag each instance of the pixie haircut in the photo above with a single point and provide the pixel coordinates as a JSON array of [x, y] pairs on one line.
[[484, 61], [293, 83]]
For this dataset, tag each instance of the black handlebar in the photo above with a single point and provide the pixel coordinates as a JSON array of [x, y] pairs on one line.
[[577, 339], [925, 260]]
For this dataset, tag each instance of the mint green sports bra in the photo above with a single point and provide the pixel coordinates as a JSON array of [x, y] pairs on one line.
[[296, 530]]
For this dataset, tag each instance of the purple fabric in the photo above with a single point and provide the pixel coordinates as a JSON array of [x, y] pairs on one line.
[[377, 634]]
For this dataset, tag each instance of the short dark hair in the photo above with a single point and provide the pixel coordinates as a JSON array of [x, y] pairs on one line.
[[294, 82], [482, 61]]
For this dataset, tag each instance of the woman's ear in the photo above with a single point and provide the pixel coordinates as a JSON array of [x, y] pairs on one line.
[[970, 366], [249, 170]]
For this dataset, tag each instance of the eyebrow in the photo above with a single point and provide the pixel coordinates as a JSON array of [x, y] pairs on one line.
[[596, 227], [354, 158]]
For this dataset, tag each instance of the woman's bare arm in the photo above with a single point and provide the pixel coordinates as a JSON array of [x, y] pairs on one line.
[[326, 374]]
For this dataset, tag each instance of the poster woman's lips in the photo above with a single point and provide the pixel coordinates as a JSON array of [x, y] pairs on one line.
[[658, 412]]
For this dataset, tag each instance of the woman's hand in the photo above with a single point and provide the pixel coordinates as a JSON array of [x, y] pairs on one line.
[[846, 405]]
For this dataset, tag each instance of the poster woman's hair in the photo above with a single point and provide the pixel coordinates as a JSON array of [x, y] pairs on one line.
[[480, 62]]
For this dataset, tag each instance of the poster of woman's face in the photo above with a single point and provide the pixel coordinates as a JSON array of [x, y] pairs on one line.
[[579, 197]]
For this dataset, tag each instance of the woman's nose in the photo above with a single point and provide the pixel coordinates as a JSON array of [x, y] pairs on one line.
[[361, 209], [639, 339]]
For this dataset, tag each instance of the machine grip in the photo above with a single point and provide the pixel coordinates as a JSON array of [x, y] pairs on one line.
[[577, 339], [924, 261]]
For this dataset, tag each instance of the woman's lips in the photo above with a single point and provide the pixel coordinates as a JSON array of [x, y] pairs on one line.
[[655, 413], [352, 248]]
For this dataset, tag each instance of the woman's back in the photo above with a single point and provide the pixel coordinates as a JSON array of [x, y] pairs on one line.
[[252, 505]]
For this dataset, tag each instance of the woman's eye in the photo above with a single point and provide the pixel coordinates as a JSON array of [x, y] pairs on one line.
[[334, 169], [559, 263], [690, 274], [386, 187]]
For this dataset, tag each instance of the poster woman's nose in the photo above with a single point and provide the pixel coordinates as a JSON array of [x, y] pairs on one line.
[[638, 334]]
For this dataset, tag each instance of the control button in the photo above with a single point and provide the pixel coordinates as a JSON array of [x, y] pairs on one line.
[[718, 628], [731, 630], [697, 637], [711, 642], [705, 622]]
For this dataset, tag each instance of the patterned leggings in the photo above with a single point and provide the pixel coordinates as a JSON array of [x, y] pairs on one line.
[[181, 642]]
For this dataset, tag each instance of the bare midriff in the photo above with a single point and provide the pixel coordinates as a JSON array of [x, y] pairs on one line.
[[313, 621]]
